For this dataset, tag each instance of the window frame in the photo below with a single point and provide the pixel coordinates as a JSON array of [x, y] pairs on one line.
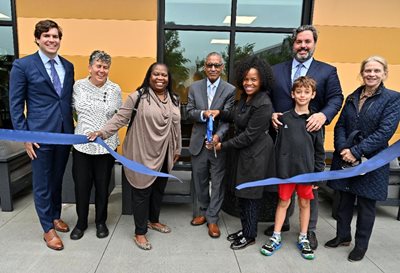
[[306, 18], [12, 23]]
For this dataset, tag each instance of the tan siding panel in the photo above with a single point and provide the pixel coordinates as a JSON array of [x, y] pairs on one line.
[[357, 13], [89, 9], [353, 44], [81, 37]]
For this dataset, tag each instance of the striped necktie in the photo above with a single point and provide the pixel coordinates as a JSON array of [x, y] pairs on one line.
[[298, 72], [54, 77], [211, 94]]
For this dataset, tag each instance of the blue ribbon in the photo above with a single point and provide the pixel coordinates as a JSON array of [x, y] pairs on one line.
[[210, 127], [69, 139], [375, 162]]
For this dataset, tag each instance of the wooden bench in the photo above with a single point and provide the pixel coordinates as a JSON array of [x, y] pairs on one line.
[[15, 172]]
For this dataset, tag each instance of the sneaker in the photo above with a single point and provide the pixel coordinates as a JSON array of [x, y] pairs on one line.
[[271, 246], [242, 242], [305, 248], [234, 236]]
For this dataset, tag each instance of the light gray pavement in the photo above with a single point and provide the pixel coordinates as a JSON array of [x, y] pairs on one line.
[[187, 249]]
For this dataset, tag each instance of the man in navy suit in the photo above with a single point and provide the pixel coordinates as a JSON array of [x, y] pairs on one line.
[[324, 106], [42, 84]]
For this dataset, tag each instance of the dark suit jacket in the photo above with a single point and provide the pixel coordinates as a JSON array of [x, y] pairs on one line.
[[223, 100], [45, 110], [329, 96]]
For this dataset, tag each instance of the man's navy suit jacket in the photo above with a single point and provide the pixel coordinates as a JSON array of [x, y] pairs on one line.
[[45, 109], [329, 96]]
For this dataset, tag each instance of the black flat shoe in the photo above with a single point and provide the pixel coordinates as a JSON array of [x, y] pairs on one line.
[[335, 242], [76, 234], [242, 242], [312, 238], [270, 230], [234, 236], [101, 231], [356, 255]]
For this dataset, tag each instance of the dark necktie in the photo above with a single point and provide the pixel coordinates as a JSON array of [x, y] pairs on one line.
[[55, 78]]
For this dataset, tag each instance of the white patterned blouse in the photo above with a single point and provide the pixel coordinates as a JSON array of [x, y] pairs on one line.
[[94, 106]]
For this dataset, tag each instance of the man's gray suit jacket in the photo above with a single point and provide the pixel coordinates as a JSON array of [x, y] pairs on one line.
[[224, 99]]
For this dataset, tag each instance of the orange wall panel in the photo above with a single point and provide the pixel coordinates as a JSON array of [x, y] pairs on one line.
[[81, 36], [357, 13], [89, 9], [353, 44]]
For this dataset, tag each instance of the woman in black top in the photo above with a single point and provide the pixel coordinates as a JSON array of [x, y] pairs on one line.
[[252, 144]]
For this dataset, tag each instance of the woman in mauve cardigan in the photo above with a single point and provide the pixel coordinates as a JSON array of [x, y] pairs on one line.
[[154, 140]]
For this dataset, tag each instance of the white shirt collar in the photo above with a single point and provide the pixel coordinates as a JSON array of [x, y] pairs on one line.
[[216, 83], [46, 59]]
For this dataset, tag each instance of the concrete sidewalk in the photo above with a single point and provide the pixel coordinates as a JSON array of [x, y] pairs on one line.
[[187, 249]]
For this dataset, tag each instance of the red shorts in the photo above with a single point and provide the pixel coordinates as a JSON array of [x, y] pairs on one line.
[[303, 191]]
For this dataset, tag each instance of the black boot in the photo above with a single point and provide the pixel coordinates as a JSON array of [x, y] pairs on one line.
[[357, 254]]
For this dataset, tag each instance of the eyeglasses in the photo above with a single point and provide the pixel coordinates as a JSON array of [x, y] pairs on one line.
[[216, 65]]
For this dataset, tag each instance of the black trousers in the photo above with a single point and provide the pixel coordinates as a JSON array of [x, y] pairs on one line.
[[89, 170], [366, 211], [147, 202], [249, 216]]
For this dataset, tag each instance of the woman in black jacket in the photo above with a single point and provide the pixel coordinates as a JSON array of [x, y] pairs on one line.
[[369, 117], [253, 146]]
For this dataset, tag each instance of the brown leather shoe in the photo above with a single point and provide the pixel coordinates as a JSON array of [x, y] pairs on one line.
[[213, 231], [60, 226], [52, 240], [198, 220]]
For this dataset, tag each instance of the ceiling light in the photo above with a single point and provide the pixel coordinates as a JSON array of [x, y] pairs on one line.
[[241, 20], [220, 41], [3, 16]]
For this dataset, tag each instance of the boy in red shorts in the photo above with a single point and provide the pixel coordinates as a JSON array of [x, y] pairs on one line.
[[297, 151]]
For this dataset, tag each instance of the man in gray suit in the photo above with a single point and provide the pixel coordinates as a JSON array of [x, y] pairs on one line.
[[216, 94]]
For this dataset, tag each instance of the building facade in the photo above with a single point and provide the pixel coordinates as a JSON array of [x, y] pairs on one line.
[[181, 32]]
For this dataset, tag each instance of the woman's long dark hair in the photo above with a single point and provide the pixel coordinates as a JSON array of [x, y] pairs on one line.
[[145, 86]]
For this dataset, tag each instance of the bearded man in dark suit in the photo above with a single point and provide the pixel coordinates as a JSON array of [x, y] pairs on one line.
[[324, 106]]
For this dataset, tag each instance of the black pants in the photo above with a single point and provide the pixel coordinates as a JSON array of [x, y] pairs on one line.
[[86, 171], [249, 216], [366, 210], [147, 202]]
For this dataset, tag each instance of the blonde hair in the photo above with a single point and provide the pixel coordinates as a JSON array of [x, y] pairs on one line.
[[375, 58]]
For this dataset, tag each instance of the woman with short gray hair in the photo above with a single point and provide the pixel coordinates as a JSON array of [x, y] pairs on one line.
[[95, 100]]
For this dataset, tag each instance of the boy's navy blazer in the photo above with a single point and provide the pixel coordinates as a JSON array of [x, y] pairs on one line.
[[45, 110], [329, 96]]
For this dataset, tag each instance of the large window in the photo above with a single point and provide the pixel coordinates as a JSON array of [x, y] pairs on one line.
[[7, 55], [190, 29]]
